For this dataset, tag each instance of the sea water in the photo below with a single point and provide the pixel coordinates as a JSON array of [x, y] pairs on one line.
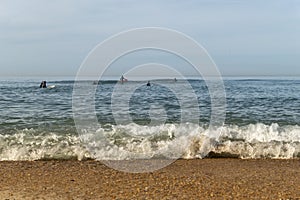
[[262, 121]]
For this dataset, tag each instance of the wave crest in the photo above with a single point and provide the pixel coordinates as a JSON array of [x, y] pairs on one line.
[[164, 141]]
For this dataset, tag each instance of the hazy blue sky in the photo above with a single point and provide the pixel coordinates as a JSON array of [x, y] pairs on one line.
[[45, 38]]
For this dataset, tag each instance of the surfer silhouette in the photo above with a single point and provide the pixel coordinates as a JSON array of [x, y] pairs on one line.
[[43, 84], [123, 79], [148, 84]]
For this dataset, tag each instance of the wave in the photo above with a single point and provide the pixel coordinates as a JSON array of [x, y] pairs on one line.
[[32, 144], [259, 141], [171, 141]]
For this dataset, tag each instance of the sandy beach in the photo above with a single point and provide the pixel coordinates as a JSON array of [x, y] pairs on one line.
[[184, 179]]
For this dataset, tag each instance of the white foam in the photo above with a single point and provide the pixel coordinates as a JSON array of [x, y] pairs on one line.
[[132, 141], [260, 141], [24, 145]]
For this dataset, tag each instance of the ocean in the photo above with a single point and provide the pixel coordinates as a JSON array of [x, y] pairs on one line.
[[262, 121]]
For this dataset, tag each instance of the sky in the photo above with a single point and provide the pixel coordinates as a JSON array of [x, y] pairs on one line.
[[244, 38]]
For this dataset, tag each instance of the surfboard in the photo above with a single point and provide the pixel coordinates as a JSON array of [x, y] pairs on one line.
[[51, 86]]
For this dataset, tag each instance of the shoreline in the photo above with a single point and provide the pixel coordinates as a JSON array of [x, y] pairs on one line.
[[222, 178]]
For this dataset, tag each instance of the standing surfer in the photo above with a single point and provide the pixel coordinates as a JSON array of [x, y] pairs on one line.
[[123, 79]]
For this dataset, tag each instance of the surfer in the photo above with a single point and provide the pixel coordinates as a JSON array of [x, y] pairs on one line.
[[43, 84], [123, 79], [148, 84]]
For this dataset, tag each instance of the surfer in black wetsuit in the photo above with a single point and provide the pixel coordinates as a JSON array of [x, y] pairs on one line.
[[148, 84], [43, 84]]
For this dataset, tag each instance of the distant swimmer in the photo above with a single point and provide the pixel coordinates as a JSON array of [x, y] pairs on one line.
[[43, 84], [175, 79], [148, 84]]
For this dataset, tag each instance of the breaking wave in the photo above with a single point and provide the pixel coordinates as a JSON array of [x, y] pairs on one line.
[[132, 141]]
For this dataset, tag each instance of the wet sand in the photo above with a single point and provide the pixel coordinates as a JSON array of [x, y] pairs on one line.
[[183, 179]]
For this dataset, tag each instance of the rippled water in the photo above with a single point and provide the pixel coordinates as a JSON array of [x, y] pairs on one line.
[[260, 114]]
